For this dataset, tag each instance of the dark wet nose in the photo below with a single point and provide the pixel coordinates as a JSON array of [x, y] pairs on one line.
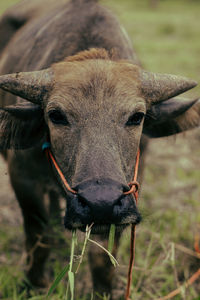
[[102, 197], [100, 201]]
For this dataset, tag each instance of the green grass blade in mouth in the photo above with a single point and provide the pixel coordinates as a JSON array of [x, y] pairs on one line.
[[70, 272], [74, 241], [113, 260], [67, 268], [111, 241], [87, 235], [111, 238], [71, 283]]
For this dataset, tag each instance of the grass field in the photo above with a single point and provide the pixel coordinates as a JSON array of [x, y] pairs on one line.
[[167, 39]]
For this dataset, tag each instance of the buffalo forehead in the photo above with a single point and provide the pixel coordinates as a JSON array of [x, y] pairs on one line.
[[96, 84]]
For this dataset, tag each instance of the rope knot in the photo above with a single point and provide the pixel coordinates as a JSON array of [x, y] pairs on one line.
[[134, 187]]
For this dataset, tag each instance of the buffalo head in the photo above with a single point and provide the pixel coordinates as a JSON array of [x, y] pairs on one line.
[[94, 110]]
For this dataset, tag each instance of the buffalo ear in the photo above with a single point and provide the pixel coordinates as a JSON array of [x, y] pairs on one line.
[[21, 126], [171, 117]]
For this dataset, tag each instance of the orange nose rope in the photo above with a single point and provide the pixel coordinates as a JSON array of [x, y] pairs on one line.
[[134, 189], [134, 186], [46, 148]]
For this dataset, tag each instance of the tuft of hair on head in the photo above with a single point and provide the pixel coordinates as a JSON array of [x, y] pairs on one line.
[[93, 53]]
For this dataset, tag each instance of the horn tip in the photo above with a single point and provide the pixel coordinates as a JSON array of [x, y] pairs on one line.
[[193, 83]]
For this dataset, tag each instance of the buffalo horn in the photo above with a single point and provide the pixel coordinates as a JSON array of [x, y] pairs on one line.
[[32, 86], [161, 87]]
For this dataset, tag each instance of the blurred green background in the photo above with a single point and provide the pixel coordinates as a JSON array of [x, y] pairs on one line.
[[166, 36]]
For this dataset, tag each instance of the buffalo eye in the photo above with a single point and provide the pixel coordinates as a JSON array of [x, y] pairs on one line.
[[135, 119], [58, 117]]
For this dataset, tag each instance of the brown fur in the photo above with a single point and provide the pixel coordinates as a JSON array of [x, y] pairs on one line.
[[93, 53]]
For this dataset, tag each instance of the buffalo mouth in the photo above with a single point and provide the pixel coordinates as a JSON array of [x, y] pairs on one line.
[[100, 203], [101, 227]]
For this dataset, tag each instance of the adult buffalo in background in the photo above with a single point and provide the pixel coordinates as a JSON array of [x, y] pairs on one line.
[[77, 83]]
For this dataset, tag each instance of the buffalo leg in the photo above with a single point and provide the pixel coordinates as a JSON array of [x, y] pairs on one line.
[[30, 198]]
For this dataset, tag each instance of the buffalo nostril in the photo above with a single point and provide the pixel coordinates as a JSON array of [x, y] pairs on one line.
[[82, 201], [119, 202], [126, 188]]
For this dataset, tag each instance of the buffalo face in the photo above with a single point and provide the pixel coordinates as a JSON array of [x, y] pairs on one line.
[[95, 138], [94, 113]]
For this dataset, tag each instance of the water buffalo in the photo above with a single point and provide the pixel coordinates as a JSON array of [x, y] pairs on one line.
[[76, 82]]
